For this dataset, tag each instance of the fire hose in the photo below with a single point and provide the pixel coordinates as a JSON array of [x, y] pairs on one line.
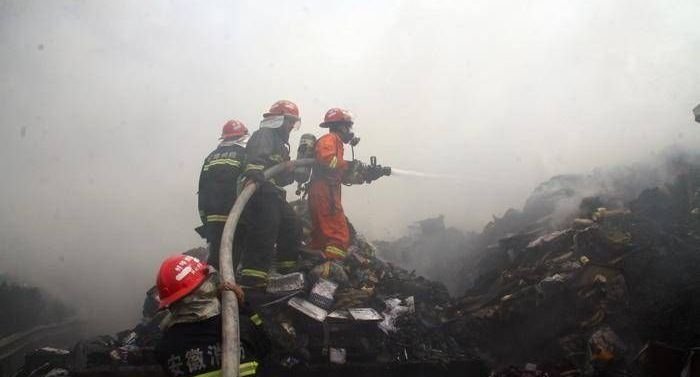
[[230, 349]]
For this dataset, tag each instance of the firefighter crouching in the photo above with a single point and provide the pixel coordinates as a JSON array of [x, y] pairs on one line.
[[217, 187], [191, 341], [268, 218], [330, 231]]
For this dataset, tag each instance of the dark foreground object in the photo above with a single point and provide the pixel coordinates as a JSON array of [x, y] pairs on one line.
[[408, 369], [46, 362]]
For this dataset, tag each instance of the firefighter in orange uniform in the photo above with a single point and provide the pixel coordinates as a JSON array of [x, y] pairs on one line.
[[330, 232]]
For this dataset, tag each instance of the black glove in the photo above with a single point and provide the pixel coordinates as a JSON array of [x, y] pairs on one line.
[[355, 174], [256, 176], [373, 173]]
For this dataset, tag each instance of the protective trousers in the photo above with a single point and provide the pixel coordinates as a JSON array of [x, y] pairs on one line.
[[269, 220], [215, 230], [330, 232]]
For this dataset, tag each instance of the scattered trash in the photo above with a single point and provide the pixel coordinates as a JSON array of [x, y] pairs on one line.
[[604, 345], [286, 283], [308, 308], [322, 294], [58, 372], [395, 309], [337, 355], [339, 314], [582, 223], [365, 314]]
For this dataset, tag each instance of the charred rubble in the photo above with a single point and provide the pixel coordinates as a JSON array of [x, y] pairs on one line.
[[599, 281], [609, 289]]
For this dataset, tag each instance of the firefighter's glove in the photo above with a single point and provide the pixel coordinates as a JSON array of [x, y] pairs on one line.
[[373, 172], [355, 174]]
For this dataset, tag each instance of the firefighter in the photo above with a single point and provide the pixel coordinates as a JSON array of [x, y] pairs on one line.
[[217, 186], [269, 219], [191, 340], [330, 232]]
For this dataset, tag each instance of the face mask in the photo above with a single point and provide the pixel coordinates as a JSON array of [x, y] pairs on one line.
[[346, 135]]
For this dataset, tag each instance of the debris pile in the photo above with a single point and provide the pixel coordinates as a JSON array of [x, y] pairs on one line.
[[581, 282], [358, 316], [585, 296], [365, 310]]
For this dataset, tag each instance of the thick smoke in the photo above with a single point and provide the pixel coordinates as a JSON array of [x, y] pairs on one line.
[[110, 107], [452, 257]]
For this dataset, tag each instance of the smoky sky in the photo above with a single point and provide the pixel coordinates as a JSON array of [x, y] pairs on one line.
[[108, 109]]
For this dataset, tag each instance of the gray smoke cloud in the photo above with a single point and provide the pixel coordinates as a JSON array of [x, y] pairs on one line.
[[108, 109]]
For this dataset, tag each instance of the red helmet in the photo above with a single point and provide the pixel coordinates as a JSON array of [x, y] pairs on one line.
[[336, 115], [233, 128], [179, 276], [283, 107]]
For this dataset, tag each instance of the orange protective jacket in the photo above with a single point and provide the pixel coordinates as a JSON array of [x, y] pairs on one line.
[[330, 231]]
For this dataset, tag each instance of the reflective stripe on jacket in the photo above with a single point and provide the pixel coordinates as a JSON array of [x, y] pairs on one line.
[[218, 179]]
